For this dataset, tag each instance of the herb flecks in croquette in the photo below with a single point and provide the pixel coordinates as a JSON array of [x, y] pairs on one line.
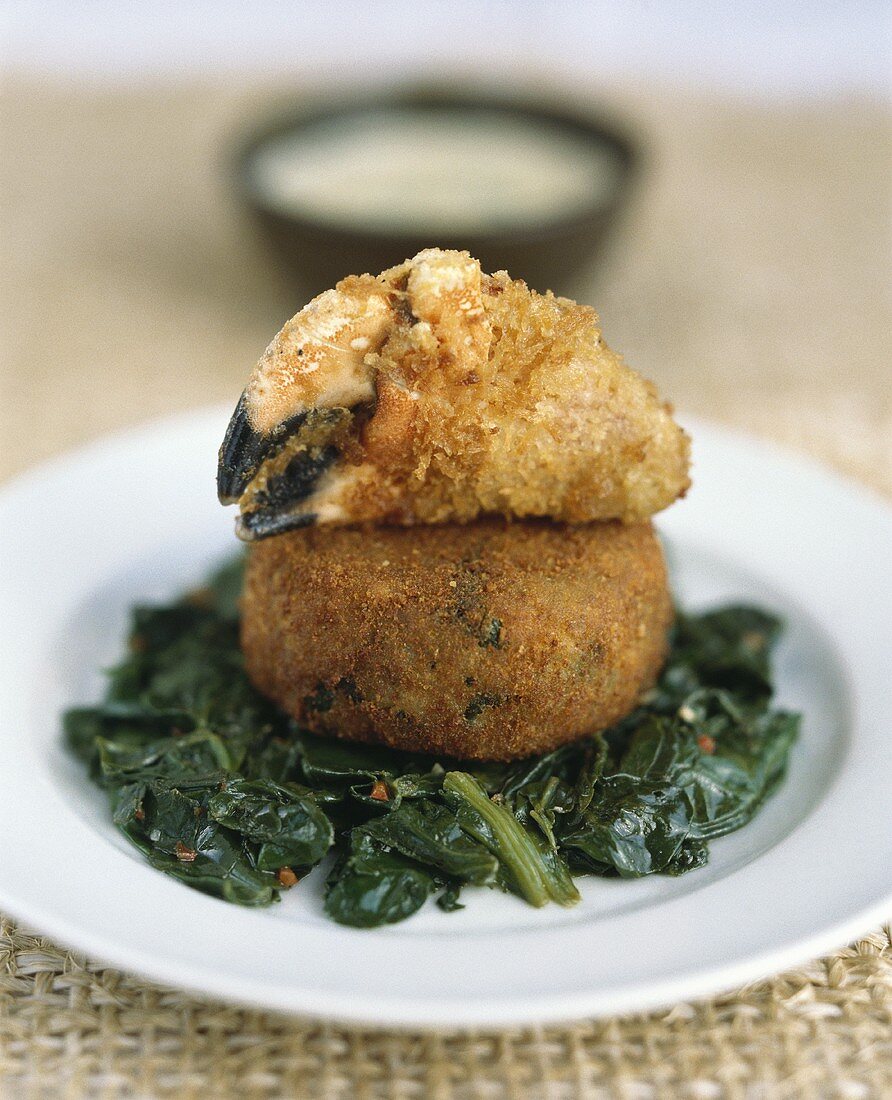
[[323, 698], [492, 635], [470, 605], [479, 704]]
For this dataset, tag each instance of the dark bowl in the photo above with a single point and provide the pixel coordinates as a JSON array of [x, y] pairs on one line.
[[552, 254]]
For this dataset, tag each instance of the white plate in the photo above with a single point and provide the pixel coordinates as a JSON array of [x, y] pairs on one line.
[[134, 517]]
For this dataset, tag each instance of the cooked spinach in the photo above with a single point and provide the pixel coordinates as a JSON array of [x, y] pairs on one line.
[[224, 792]]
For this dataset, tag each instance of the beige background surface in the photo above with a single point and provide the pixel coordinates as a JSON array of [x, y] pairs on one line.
[[750, 279]]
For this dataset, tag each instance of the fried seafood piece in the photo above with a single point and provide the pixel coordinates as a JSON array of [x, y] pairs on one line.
[[434, 393], [485, 641]]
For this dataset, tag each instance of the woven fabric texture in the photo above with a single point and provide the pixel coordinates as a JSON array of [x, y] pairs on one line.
[[71, 1029], [746, 280]]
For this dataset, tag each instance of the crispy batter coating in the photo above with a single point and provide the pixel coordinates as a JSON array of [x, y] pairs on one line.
[[446, 394], [488, 641]]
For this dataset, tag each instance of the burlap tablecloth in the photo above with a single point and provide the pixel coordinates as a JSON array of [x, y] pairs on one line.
[[749, 279]]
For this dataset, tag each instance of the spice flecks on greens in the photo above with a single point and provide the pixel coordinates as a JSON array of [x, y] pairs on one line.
[[219, 789]]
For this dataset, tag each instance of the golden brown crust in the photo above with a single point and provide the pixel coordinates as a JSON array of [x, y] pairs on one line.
[[476, 396], [490, 641]]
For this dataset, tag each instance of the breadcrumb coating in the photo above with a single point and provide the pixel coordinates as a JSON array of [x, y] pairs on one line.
[[491, 640], [449, 394]]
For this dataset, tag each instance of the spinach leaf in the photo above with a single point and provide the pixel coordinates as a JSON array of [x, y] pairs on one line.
[[637, 821], [675, 787], [171, 827], [493, 825], [727, 648], [371, 885], [728, 785], [290, 827], [430, 834], [193, 754], [448, 900]]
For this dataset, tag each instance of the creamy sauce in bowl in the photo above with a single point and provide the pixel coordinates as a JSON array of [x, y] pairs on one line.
[[410, 170]]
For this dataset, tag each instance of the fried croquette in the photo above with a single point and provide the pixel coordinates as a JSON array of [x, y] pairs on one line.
[[434, 393], [488, 641]]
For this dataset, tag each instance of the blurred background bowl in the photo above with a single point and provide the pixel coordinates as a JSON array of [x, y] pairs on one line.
[[319, 240]]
